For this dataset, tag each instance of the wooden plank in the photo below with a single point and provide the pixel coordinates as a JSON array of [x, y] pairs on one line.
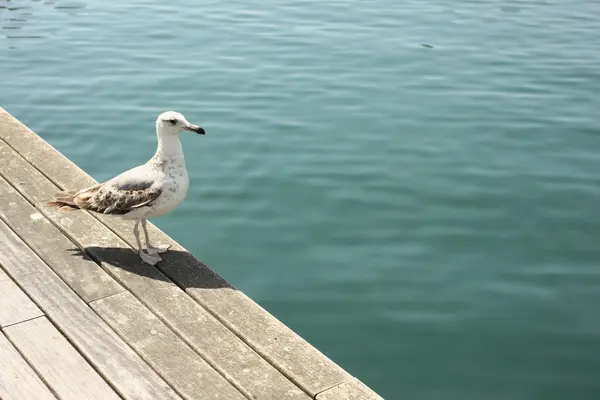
[[296, 358], [82, 274], [349, 390], [116, 361], [17, 380], [177, 363], [15, 305], [27, 143], [221, 348], [57, 362]]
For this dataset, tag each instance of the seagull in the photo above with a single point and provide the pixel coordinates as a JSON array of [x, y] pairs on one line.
[[146, 191]]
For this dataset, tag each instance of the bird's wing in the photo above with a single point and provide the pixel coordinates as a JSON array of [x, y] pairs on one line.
[[132, 189]]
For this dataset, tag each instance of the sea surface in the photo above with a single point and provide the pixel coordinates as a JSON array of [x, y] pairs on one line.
[[412, 186]]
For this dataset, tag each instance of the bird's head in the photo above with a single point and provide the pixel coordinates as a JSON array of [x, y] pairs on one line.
[[172, 122]]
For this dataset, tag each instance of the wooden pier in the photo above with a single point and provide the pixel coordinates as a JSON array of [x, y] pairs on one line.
[[82, 317]]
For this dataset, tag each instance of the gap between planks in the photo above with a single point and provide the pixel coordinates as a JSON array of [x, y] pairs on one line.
[[25, 320]]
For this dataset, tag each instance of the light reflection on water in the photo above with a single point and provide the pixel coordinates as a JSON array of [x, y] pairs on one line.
[[17, 17]]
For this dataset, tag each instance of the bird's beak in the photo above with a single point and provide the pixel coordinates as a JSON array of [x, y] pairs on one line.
[[195, 128]]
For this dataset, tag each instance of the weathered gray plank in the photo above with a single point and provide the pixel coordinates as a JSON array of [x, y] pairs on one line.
[[57, 362], [296, 358], [221, 348], [15, 306], [27, 143], [83, 275], [177, 363], [116, 361], [17, 380], [349, 390]]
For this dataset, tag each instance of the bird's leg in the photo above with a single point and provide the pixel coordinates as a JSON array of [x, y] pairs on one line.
[[151, 259], [161, 248]]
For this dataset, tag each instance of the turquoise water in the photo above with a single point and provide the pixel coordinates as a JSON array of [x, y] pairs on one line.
[[411, 186]]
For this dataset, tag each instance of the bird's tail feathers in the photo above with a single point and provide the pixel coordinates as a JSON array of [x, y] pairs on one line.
[[64, 201]]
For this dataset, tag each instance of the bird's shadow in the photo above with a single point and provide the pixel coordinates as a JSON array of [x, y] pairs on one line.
[[180, 267]]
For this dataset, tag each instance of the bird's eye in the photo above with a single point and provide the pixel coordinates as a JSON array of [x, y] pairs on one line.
[[172, 121]]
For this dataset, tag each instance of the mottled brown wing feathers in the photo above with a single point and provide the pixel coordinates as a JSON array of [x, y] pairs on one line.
[[105, 199], [111, 200]]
